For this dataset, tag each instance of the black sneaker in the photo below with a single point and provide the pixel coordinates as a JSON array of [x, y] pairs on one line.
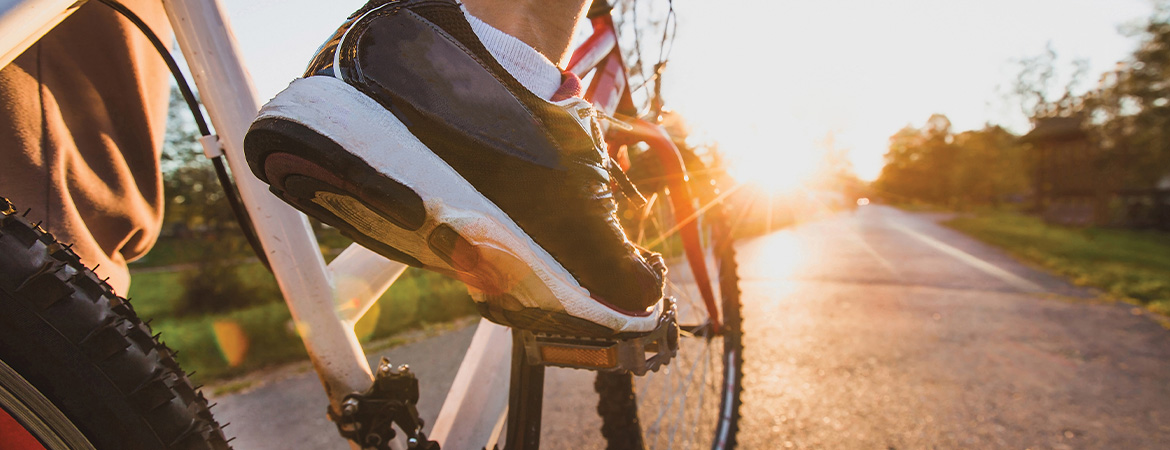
[[409, 137]]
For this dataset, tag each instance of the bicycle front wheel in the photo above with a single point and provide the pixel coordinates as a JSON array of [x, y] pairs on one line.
[[78, 369], [694, 401]]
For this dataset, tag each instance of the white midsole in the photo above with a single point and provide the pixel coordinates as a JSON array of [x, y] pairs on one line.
[[366, 129]]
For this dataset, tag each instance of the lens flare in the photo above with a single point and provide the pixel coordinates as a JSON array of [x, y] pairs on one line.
[[232, 341]]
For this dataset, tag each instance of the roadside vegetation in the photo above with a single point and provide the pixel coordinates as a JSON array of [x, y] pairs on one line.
[[232, 320], [1126, 264], [1095, 154], [1091, 174]]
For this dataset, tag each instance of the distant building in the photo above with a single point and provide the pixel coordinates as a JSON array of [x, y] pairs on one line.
[[1075, 182]]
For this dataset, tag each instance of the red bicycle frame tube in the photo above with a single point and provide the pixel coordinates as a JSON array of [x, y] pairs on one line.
[[609, 91]]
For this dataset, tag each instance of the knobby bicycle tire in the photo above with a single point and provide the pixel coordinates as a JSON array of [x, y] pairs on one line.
[[618, 404], [84, 349]]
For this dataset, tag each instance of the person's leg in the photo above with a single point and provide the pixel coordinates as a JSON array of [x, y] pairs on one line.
[[82, 118], [545, 25]]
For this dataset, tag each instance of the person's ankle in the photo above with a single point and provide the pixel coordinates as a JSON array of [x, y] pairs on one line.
[[531, 68]]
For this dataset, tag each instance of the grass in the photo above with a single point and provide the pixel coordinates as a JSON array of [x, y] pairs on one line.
[[157, 294], [153, 294], [913, 206], [236, 342], [924, 207], [257, 329], [1128, 265], [232, 343]]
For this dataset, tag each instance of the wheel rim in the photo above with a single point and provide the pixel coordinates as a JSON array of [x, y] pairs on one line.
[[35, 416]]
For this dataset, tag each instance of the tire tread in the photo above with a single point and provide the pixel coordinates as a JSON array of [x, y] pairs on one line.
[[80, 314]]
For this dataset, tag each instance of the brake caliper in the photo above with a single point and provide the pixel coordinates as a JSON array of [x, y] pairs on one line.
[[368, 418]]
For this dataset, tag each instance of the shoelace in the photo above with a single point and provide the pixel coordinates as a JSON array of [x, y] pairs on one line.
[[625, 186], [611, 119]]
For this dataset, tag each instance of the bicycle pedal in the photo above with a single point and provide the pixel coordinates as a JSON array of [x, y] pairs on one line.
[[638, 355]]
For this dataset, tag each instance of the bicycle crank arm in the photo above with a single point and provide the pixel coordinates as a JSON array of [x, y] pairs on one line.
[[637, 355]]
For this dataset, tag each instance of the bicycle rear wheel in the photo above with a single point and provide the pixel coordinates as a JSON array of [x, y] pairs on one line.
[[694, 401], [78, 369]]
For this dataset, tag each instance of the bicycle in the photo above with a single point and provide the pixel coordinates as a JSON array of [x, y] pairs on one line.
[[78, 369]]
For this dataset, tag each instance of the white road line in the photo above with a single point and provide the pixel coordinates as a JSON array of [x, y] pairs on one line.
[[851, 233], [971, 260]]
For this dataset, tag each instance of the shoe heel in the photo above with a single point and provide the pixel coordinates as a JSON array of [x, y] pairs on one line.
[[320, 178], [453, 249]]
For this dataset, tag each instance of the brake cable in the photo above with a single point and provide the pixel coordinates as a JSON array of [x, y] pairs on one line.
[[231, 192]]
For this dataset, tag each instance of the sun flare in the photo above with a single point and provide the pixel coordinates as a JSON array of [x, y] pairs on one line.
[[773, 172], [779, 160]]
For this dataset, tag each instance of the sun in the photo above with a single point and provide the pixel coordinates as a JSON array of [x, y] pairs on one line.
[[780, 160], [776, 152], [773, 170]]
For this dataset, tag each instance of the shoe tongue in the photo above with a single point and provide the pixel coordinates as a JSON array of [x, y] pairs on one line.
[[570, 87]]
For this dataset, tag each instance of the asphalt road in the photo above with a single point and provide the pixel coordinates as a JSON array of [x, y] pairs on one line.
[[875, 329]]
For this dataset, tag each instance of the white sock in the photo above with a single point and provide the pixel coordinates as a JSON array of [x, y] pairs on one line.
[[528, 66]]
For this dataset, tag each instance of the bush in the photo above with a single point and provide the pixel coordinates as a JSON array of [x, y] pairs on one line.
[[217, 284], [225, 344], [233, 343], [442, 299], [418, 296]]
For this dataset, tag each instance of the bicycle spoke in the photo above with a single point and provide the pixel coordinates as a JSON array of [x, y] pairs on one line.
[[682, 393], [690, 299], [681, 403], [702, 396], [686, 220], [735, 223], [679, 394]]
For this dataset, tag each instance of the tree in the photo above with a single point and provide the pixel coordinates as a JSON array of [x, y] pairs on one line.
[[991, 166], [1035, 88], [1132, 111], [1126, 117], [932, 164], [193, 199], [919, 162], [195, 205]]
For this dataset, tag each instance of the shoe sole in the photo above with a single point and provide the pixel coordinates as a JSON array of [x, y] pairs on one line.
[[341, 157]]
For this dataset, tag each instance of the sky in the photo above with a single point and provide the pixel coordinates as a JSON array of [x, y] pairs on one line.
[[772, 81]]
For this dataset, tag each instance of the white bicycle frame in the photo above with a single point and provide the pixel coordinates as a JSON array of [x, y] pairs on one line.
[[325, 300]]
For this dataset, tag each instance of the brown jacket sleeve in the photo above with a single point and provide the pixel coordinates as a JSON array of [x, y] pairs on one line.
[[82, 119]]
